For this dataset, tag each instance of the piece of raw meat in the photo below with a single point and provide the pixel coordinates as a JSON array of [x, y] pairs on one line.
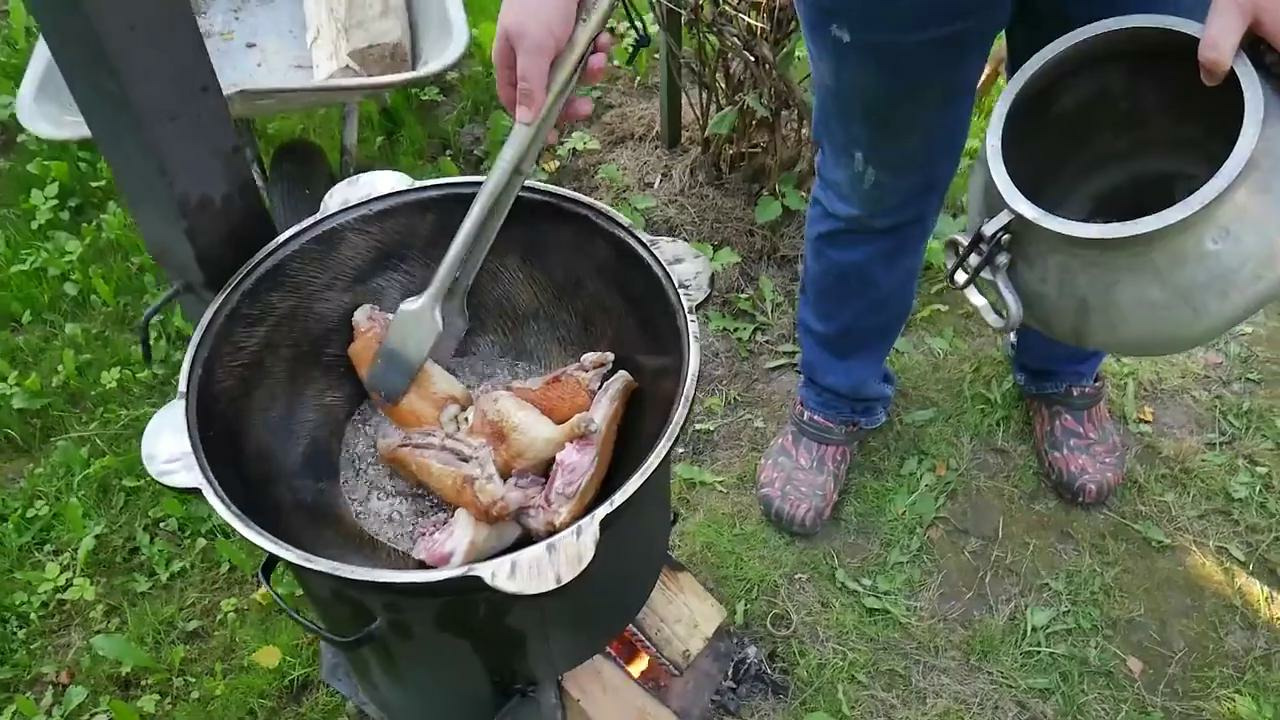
[[580, 467], [460, 470], [452, 540], [433, 400], [523, 439], [568, 391]]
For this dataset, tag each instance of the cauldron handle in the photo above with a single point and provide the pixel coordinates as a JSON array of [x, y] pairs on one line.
[[545, 566], [166, 448], [350, 642], [985, 254], [688, 267]]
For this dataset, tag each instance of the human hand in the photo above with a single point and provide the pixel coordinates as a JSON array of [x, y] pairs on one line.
[[1225, 27], [530, 34]]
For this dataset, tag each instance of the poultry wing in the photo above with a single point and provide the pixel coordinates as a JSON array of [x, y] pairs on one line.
[[452, 540], [564, 393], [460, 470]]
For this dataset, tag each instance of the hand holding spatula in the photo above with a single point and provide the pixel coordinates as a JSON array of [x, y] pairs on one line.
[[433, 323]]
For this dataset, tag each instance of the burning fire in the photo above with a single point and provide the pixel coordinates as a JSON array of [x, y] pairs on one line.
[[643, 667], [638, 664]]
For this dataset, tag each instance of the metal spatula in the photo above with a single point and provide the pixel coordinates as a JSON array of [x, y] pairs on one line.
[[432, 324]]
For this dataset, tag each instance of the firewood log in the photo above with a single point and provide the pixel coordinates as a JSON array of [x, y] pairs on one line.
[[350, 38]]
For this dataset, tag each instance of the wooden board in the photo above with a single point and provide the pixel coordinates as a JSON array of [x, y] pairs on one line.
[[689, 695], [600, 690], [357, 37], [680, 617]]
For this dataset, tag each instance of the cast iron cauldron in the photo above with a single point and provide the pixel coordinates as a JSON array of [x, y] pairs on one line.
[[266, 391], [1120, 203]]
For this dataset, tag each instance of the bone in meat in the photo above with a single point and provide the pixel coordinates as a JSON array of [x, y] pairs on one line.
[[568, 391], [460, 470], [523, 439], [580, 467], [435, 397], [449, 541]]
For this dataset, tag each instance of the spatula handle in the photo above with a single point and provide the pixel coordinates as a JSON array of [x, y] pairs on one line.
[[514, 163]]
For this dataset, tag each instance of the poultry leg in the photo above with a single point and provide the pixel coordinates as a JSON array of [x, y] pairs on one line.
[[580, 467], [434, 392], [523, 439]]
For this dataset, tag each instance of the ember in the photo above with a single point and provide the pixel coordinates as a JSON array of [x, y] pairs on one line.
[[634, 654], [638, 665], [750, 678]]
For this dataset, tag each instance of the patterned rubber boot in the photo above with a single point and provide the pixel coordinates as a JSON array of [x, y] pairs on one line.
[[802, 471], [1077, 443]]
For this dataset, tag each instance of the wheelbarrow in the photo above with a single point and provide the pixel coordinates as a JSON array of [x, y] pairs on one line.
[[260, 55]]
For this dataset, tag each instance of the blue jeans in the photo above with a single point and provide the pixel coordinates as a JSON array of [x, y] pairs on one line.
[[893, 84]]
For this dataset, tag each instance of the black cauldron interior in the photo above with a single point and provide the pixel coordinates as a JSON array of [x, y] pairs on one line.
[[272, 388]]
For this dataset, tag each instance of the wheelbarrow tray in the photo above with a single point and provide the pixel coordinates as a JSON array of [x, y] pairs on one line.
[[259, 52]]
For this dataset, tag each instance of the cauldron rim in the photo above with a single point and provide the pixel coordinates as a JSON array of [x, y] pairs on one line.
[[1241, 151], [495, 571]]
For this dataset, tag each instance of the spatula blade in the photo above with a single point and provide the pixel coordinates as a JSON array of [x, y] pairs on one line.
[[454, 327], [410, 337]]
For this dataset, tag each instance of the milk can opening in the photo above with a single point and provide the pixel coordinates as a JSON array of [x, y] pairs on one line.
[[1117, 127]]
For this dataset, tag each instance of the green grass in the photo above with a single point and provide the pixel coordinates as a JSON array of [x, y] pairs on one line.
[[119, 599], [951, 585], [954, 586]]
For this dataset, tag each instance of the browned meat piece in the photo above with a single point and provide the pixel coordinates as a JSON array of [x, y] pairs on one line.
[[458, 469], [453, 540], [580, 467], [568, 391], [435, 397], [523, 439]]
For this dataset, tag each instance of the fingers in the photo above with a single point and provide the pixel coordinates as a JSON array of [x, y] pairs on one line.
[[521, 76], [604, 42], [575, 109], [1224, 28], [504, 71], [532, 67], [598, 62], [593, 73], [1267, 26]]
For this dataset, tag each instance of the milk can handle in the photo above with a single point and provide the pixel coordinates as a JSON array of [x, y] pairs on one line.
[[985, 255], [350, 642]]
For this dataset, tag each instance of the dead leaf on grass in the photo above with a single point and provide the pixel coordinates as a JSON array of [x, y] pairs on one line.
[[268, 656], [934, 532], [1135, 666], [940, 468], [1146, 414]]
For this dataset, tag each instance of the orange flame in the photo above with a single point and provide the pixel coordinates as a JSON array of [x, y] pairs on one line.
[[638, 664]]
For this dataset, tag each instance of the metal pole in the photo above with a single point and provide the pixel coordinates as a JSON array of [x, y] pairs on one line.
[[143, 81], [670, 44]]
